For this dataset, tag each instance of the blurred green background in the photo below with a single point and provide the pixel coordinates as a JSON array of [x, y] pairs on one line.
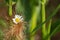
[[26, 9]]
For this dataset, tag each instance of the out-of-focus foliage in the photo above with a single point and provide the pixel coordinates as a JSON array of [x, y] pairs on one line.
[[31, 10], [52, 14], [3, 23], [1, 35], [19, 7], [55, 27]]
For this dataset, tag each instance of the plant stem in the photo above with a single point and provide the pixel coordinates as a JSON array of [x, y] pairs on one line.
[[49, 28], [33, 22], [43, 19], [10, 7]]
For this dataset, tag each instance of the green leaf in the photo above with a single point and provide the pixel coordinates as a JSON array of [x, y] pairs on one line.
[[19, 7], [55, 27], [27, 10], [53, 13], [49, 26], [33, 21]]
